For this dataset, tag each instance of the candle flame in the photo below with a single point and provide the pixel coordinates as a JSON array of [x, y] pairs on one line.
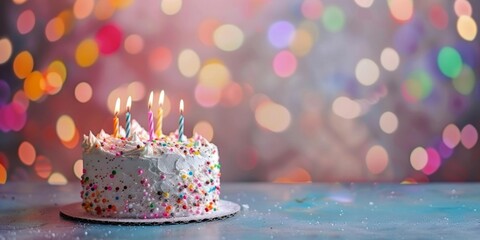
[[181, 106], [161, 98], [129, 103], [117, 106], [150, 100]]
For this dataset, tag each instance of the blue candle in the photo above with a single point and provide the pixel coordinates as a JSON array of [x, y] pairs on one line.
[[180, 122], [128, 118]]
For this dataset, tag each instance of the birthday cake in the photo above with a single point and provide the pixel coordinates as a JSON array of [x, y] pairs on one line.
[[137, 177]]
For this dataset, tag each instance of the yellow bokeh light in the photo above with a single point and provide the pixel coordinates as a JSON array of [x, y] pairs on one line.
[[54, 83], [228, 37], [5, 50], [34, 85], [376, 159], [104, 10], [18, 2], [23, 64], [65, 128], [86, 53], [418, 158], [467, 27], [83, 8], [55, 29], [120, 3], [78, 168], [58, 67], [57, 179], [3, 174], [171, 7], [204, 129], [346, 108], [367, 72], [83, 92], [390, 59], [302, 43], [26, 153], [272, 116], [214, 74], [188, 63], [388, 122]]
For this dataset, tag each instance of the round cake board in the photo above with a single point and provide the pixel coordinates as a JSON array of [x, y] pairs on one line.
[[76, 212]]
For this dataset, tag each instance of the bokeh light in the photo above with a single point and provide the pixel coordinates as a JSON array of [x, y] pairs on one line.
[[109, 38], [34, 85], [57, 178], [23, 64], [462, 8], [83, 92], [228, 37], [43, 167], [438, 16], [346, 108], [377, 159], [65, 128], [364, 3], [281, 33], [464, 83], [188, 63], [3, 174], [433, 163], [214, 74], [26, 153], [390, 59], [450, 62], [401, 10], [26, 21], [451, 135], [388, 122], [418, 158], [272, 116], [5, 50], [467, 28], [55, 29], [418, 86], [302, 43], [205, 129], [171, 7], [86, 53], [83, 8], [134, 44], [160, 59], [312, 9], [284, 64], [78, 168], [469, 136], [367, 72], [333, 18], [104, 9]]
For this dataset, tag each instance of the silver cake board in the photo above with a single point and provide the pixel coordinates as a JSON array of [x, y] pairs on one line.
[[76, 212]]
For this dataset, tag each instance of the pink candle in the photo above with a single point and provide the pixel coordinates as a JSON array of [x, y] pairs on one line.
[[150, 117]]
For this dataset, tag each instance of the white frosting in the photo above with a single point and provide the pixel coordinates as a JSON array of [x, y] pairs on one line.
[[139, 178]]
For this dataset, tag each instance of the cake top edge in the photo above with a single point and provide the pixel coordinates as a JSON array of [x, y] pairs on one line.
[[139, 143]]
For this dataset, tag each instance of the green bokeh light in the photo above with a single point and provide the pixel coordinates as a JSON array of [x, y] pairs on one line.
[[333, 18], [465, 82], [419, 85], [450, 62]]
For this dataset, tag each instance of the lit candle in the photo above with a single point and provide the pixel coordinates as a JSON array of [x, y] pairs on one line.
[[160, 114], [150, 117], [116, 124], [180, 122], [128, 118]]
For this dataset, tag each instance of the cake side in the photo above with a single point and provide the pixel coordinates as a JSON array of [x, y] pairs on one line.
[[135, 178]]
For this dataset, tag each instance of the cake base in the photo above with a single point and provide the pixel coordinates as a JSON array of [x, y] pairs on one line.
[[75, 212]]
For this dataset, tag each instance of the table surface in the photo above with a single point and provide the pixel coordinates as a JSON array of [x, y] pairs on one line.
[[327, 211]]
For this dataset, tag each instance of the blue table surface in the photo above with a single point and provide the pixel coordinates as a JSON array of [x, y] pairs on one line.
[[279, 211]]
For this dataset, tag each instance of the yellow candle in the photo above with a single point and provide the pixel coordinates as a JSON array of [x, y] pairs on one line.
[[116, 124], [160, 114]]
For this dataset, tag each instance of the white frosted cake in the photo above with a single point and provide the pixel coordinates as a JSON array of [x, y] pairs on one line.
[[138, 178]]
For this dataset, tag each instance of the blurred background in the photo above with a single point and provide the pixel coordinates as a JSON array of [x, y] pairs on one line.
[[289, 90]]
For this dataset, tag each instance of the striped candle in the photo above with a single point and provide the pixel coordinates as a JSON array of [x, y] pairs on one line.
[[181, 122], [128, 118], [160, 114], [150, 117], [116, 124]]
